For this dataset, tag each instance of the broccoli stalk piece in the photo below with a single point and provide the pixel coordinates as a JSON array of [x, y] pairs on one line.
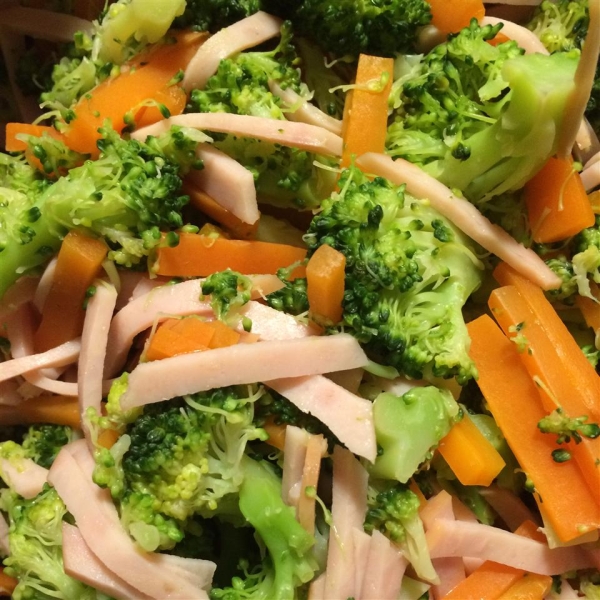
[[561, 25], [565, 428], [479, 118], [408, 428], [289, 562], [394, 510], [408, 274]]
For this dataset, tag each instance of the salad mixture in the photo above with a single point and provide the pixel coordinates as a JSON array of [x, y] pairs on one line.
[[300, 300]]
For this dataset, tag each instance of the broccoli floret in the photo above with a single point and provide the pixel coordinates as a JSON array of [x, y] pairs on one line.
[[394, 510], [35, 538], [408, 428], [557, 422], [289, 563], [480, 118], [228, 291], [561, 25], [592, 354], [408, 274], [119, 197], [212, 15], [291, 298], [568, 288], [42, 443]]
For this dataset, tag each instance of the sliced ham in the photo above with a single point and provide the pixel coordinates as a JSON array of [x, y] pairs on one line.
[[348, 512], [590, 176], [99, 525], [523, 36], [133, 284], [23, 476], [227, 182], [287, 133], [43, 287], [362, 546], [316, 591], [348, 416], [270, 324], [9, 393], [385, 570], [511, 509], [4, 543], [94, 339], [240, 364], [464, 215], [350, 380], [82, 564], [301, 110], [316, 449], [448, 538], [21, 292], [248, 32], [294, 453]]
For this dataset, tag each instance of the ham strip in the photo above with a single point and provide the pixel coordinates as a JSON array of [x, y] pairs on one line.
[[240, 364], [511, 509], [348, 511], [99, 525], [227, 182], [348, 416], [464, 215], [93, 351], [65, 354], [270, 324], [362, 547], [294, 454], [43, 24], [523, 36], [590, 176], [4, 543], [43, 287], [385, 569], [447, 538], [82, 564], [316, 591], [296, 135], [248, 32], [23, 476], [21, 292], [301, 110]]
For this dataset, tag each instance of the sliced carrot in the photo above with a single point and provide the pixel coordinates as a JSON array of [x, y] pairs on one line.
[[107, 438], [498, 39], [127, 95], [556, 201], [56, 410], [529, 587], [516, 405], [595, 201], [325, 275], [198, 256], [416, 490], [276, 434], [366, 110], [203, 202], [223, 336], [13, 144], [590, 309], [79, 260], [7, 583], [470, 455], [573, 363], [547, 368], [491, 580], [315, 450], [450, 16]]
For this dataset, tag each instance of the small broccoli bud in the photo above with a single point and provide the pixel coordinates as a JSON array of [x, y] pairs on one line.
[[228, 291], [557, 422]]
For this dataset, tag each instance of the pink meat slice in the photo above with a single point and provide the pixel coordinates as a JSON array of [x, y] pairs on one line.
[[240, 364], [362, 547], [523, 36], [24, 476], [385, 570], [464, 215], [511, 509], [270, 324], [294, 454], [21, 292]]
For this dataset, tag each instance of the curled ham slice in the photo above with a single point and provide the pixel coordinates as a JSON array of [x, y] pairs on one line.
[[590, 176], [294, 454], [348, 416], [248, 32], [133, 284], [43, 287], [21, 292], [24, 476], [160, 303], [65, 354], [362, 545], [227, 182], [240, 364], [82, 564], [271, 324], [523, 36], [43, 24], [101, 529], [464, 215], [316, 591], [93, 350], [296, 135], [448, 538], [348, 511], [301, 110], [384, 571]]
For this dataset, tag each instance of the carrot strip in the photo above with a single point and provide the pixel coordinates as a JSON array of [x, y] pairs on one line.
[[7, 583], [148, 78], [491, 580], [13, 144], [556, 201], [223, 336], [416, 490], [590, 309], [198, 256], [498, 39], [470, 455], [574, 365], [107, 438], [315, 449], [325, 275], [547, 369], [529, 587], [79, 260], [450, 16], [517, 408], [58, 410], [366, 111], [276, 434]]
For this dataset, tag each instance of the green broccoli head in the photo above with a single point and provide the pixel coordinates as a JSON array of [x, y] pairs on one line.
[[566, 428], [567, 291], [291, 298], [229, 291], [561, 25], [42, 443], [212, 15], [408, 274]]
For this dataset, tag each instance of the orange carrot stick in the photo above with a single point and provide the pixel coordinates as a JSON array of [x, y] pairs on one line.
[[491, 580], [198, 256], [517, 408], [107, 438], [548, 369], [315, 450], [79, 261], [529, 587], [7, 584], [276, 434], [470, 455], [366, 110], [556, 201], [450, 16], [57, 410], [498, 39], [224, 336], [149, 78], [13, 144], [590, 309], [325, 275]]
